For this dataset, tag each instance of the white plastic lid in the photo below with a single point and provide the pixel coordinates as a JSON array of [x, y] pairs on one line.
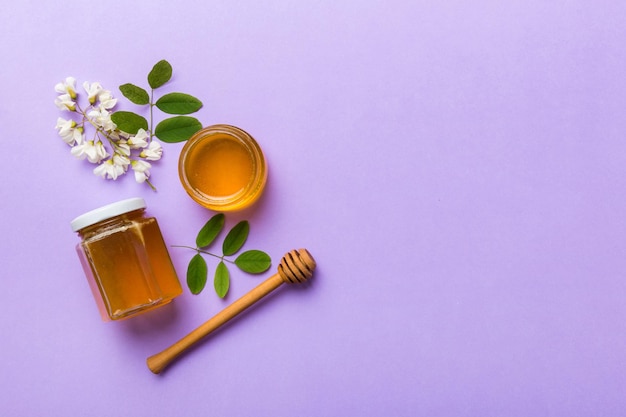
[[106, 212]]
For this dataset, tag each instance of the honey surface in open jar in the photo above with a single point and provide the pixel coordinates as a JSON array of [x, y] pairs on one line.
[[223, 168]]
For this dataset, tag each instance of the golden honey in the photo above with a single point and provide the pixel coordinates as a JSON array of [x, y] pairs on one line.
[[125, 259], [223, 168]]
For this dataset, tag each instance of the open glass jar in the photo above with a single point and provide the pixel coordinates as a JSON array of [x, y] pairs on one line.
[[222, 168], [125, 259]]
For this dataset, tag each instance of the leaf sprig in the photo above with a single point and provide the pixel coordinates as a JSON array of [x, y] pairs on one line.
[[251, 261], [173, 129]]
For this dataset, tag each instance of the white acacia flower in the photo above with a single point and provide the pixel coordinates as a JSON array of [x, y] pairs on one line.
[[122, 147], [140, 140], [109, 169], [93, 151], [117, 135], [67, 87], [64, 125], [141, 169], [93, 90], [69, 132], [153, 152], [122, 135], [106, 99], [114, 152], [121, 160], [65, 102], [102, 118]]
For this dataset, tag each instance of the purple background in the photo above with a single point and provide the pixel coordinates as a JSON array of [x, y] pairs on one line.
[[456, 168]]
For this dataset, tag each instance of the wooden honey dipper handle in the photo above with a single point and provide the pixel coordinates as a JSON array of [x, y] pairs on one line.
[[295, 266]]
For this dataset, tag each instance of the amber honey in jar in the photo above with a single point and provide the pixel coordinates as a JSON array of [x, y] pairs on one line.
[[222, 168], [125, 259]]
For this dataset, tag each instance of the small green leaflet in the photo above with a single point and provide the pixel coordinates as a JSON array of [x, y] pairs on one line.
[[221, 281], [177, 129], [129, 122], [236, 238], [160, 74], [253, 261], [210, 230], [196, 274], [178, 103], [135, 94], [250, 261], [171, 130]]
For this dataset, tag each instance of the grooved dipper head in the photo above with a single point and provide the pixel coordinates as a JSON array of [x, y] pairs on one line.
[[296, 266]]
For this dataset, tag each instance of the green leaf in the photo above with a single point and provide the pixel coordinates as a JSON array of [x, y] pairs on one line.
[[177, 129], [129, 122], [222, 279], [178, 103], [210, 230], [196, 274], [135, 94], [160, 74], [253, 261], [236, 238]]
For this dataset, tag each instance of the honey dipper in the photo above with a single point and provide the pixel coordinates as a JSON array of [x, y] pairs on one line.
[[296, 266]]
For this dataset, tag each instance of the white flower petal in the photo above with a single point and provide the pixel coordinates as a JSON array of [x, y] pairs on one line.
[[153, 152], [65, 102], [67, 87], [108, 169], [141, 169], [106, 100], [92, 90]]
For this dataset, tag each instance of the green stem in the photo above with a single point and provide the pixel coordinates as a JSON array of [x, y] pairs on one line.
[[99, 131], [151, 119], [223, 257], [151, 185], [186, 247]]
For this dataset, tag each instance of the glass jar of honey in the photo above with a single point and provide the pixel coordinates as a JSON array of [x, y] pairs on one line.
[[222, 168], [125, 259]]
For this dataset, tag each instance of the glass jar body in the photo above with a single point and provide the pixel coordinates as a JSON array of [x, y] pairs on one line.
[[127, 265]]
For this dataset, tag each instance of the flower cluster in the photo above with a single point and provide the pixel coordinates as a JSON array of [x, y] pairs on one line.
[[113, 150]]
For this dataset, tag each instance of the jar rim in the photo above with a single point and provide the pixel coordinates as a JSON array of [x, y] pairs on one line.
[[106, 212]]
